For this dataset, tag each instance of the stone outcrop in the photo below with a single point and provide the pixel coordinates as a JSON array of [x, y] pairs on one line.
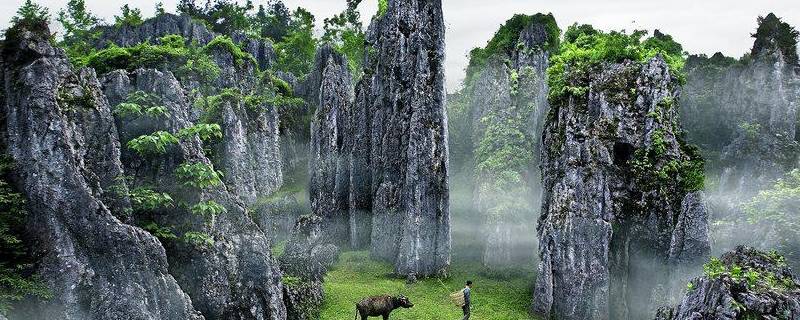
[[742, 284], [331, 144], [249, 152], [618, 206], [187, 27], [234, 277], [408, 135], [59, 130], [306, 259], [379, 163]]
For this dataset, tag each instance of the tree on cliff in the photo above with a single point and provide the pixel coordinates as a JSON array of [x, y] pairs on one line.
[[774, 34]]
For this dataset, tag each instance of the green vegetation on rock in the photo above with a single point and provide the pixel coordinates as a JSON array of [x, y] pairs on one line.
[[569, 70], [774, 34], [777, 208], [505, 39], [17, 281]]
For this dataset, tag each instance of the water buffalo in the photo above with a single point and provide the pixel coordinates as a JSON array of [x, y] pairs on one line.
[[381, 306]]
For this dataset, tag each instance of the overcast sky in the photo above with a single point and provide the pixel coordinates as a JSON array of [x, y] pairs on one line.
[[702, 26]]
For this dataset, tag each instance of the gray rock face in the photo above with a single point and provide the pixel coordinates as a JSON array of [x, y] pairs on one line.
[[746, 112], [509, 94], [306, 258], [408, 136], [728, 295], [249, 151], [307, 255], [331, 144], [614, 209], [185, 26], [59, 130], [379, 163], [690, 240], [235, 277], [276, 216]]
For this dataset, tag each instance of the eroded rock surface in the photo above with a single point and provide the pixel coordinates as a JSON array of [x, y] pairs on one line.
[[408, 135], [615, 210], [743, 284], [59, 130], [331, 144]]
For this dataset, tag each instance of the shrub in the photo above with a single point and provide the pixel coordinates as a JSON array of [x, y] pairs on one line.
[[144, 199], [110, 59], [30, 16], [198, 239], [208, 209], [15, 282], [505, 39], [130, 17], [152, 144], [201, 66], [163, 233], [383, 7], [205, 132], [199, 175], [227, 44], [156, 112], [569, 69], [127, 109], [774, 34], [282, 87]]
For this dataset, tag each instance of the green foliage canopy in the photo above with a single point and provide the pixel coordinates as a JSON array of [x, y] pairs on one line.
[[774, 34]]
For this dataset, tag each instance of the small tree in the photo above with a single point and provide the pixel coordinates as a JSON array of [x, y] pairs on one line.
[[296, 51], [345, 32], [130, 17], [78, 24], [31, 16]]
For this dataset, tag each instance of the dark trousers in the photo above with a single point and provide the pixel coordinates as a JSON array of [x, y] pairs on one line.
[[466, 312]]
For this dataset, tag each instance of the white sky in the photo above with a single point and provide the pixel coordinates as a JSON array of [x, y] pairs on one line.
[[702, 26]]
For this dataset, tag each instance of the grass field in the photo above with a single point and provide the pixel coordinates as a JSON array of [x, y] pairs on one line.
[[355, 276]]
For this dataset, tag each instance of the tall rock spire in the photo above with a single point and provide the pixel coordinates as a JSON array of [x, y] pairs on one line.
[[622, 205], [408, 136]]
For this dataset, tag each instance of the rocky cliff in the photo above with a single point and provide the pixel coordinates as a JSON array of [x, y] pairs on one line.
[[250, 144], [59, 130], [499, 116], [408, 135], [146, 149], [621, 205], [743, 113], [379, 160], [329, 161], [742, 284], [250, 285]]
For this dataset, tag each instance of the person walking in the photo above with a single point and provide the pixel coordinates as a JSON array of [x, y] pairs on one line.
[[467, 300]]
